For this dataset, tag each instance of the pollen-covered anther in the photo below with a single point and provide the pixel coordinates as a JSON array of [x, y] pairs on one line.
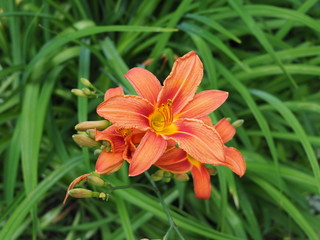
[[162, 116], [124, 131]]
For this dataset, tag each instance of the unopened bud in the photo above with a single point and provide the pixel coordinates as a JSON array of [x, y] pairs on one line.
[[86, 82], [82, 193], [167, 179], [95, 180], [91, 133], [100, 125], [106, 146], [97, 152], [85, 141], [78, 93], [238, 123], [158, 175], [88, 92], [167, 176], [182, 177], [155, 177]]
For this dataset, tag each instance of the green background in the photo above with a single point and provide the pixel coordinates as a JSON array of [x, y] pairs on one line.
[[266, 54]]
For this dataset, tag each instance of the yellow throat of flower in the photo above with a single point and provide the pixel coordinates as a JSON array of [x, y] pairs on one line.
[[161, 119]]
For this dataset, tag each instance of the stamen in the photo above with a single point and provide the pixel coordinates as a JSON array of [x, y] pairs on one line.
[[162, 117]]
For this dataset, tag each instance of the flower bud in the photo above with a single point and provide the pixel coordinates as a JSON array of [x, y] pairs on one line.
[[97, 152], [167, 174], [95, 180], [156, 178], [78, 93], [82, 193], [85, 141], [86, 82], [91, 133], [88, 92], [158, 175], [182, 177], [100, 125], [238, 123]]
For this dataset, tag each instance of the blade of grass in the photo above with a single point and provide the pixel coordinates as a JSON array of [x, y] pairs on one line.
[[82, 103], [125, 220], [257, 32], [214, 25], [189, 27], [117, 64], [257, 114], [59, 41], [305, 6], [184, 222], [11, 164], [164, 37], [288, 206], [34, 197], [206, 56], [296, 126]]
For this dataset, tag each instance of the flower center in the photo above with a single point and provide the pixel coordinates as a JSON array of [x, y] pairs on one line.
[[124, 131], [162, 117]]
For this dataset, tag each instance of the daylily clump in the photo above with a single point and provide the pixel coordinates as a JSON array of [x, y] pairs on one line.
[[167, 126]]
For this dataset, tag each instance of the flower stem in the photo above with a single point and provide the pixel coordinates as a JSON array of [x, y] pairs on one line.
[[165, 208]]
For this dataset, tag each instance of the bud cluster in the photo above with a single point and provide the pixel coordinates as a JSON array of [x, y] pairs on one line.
[[90, 91], [161, 175], [94, 179], [87, 131]]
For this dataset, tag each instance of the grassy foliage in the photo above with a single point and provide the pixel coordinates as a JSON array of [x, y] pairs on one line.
[[264, 53]]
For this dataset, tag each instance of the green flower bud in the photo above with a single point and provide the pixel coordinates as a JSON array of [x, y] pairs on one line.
[[85, 141], [97, 152], [238, 123], [88, 92], [91, 133], [86, 82], [95, 180], [100, 125], [182, 177], [82, 193], [78, 93]]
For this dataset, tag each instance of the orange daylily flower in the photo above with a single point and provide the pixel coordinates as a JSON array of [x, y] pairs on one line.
[[168, 112], [178, 161]]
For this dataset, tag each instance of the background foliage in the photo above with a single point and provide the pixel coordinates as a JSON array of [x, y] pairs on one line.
[[264, 53]]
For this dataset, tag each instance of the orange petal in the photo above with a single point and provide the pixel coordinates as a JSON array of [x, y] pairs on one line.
[[174, 160], [201, 181], [75, 182], [109, 162], [182, 83], [127, 111], [111, 135], [145, 83], [235, 161], [150, 149], [200, 141], [111, 92], [204, 103], [206, 120], [225, 129]]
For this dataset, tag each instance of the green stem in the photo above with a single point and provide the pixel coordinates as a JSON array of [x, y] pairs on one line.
[[162, 202], [134, 185], [165, 208]]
